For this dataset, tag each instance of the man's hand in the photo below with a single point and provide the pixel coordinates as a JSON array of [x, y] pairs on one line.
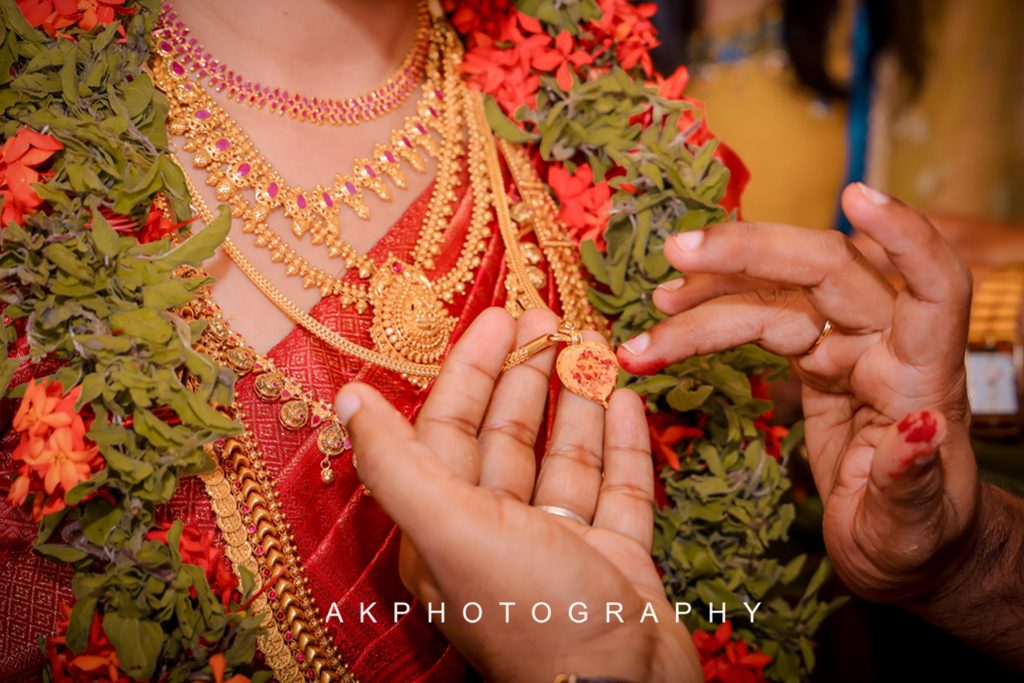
[[462, 486]]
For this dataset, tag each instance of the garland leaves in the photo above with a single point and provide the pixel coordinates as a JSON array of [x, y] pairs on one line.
[[650, 169], [151, 601]]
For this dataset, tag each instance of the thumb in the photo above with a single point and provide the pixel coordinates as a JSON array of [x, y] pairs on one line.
[[408, 481], [905, 485]]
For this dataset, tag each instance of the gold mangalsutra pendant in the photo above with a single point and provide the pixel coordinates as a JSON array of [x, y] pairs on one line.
[[409, 320], [588, 369]]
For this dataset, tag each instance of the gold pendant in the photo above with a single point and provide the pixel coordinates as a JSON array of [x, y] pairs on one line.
[[588, 369], [409, 320]]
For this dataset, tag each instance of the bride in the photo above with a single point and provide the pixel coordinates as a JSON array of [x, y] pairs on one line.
[[368, 233]]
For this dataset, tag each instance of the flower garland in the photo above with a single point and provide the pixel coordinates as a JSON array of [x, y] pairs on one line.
[[631, 161], [106, 438]]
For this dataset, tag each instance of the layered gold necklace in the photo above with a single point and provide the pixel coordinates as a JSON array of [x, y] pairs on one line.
[[411, 325], [411, 322]]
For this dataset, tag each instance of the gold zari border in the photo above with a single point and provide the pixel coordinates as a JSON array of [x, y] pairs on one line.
[[295, 643]]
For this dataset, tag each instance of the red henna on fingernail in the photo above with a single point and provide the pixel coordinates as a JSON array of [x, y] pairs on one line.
[[918, 427], [638, 366]]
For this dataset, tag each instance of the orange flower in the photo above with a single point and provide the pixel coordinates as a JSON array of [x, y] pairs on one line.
[[43, 408], [97, 664], [20, 156], [56, 15], [563, 57], [666, 434], [53, 449], [217, 666], [63, 459], [585, 204]]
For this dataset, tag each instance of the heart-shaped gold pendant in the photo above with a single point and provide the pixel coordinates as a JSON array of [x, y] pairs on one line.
[[588, 369]]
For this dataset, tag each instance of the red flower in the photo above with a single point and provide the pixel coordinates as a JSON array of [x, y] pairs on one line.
[[56, 15], [98, 663], [564, 57], [200, 548], [20, 157], [585, 204], [627, 29], [55, 454], [499, 61], [773, 434], [727, 660], [672, 88], [155, 227]]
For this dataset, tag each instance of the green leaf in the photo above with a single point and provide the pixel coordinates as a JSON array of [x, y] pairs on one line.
[[79, 623], [138, 643], [104, 236], [66, 260], [200, 246], [501, 124], [685, 399], [100, 517], [61, 552]]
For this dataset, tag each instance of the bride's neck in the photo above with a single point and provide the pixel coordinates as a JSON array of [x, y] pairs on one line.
[[325, 47]]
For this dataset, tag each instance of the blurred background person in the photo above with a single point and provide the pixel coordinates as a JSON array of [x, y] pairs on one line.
[[920, 98]]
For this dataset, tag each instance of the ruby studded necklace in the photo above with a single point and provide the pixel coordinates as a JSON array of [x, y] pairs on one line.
[[172, 37]]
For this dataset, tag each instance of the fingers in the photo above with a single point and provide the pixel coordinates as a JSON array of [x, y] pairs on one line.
[[781, 321], [509, 432], [675, 296], [450, 418], [570, 473], [905, 476], [822, 262], [925, 260], [626, 501], [937, 281], [410, 483]]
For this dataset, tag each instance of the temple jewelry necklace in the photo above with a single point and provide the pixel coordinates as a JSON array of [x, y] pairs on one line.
[[172, 38]]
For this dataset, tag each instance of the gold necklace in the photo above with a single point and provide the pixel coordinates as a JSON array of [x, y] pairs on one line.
[[191, 114], [585, 368], [233, 165], [410, 319], [172, 38]]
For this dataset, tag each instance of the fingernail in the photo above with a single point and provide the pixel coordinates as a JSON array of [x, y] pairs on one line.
[[873, 195], [672, 285], [347, 406], [918, 428], [689, 241], [638, 344]]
